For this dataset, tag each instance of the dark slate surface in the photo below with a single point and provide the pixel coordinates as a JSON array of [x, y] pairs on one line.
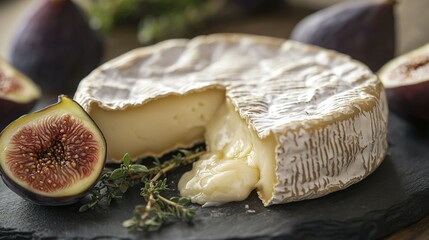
[[394, 196]]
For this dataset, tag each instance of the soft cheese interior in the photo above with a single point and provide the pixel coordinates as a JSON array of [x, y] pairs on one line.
[[236, 163], [157, 127]]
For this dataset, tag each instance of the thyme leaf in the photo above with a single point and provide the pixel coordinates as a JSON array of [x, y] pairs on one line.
[[156, 210]]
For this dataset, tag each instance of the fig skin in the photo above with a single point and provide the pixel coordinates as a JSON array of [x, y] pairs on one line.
[[13, 110], [56, 47], [406, 81], [16, 101], [364, 30], [411, 102], [69, 194], [39, 199]]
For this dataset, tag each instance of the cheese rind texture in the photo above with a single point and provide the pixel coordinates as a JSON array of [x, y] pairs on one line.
[[326, 112]]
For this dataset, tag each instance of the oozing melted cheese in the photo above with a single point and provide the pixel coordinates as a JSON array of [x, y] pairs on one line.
[[232, 167]]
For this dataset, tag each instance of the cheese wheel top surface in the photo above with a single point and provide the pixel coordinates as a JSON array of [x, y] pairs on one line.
[[273, 83]]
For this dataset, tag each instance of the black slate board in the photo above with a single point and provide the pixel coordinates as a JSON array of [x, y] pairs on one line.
[[394, 196]]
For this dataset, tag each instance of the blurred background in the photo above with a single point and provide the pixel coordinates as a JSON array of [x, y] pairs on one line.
[[126, 24]]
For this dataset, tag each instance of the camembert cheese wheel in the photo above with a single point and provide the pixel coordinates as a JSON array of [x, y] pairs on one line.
[[290, 120]]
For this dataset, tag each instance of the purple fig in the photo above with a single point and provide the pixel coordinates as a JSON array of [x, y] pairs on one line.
[[406, 80], [18, 94], [53, 156], [56, 47], [365, 30]]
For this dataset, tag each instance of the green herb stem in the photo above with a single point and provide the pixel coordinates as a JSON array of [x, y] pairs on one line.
[[158, 209]]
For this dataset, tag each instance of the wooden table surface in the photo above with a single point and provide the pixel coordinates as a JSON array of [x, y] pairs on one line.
[[279, 24]]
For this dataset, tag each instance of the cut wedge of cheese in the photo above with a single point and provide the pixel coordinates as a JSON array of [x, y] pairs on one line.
[[290, 120], [236, 162]]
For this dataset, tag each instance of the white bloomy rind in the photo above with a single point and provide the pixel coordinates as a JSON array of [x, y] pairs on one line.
[[326, 112]]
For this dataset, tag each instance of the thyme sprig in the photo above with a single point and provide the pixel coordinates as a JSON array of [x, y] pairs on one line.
[[157, 209]]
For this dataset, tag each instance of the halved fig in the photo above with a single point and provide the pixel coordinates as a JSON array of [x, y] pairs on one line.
[[406, 79], [53, 156], [18, 94]]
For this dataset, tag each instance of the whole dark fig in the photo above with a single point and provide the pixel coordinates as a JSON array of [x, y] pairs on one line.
[[365, 30], [53, 156], [18, 94], [56, 47], [406, 80]]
